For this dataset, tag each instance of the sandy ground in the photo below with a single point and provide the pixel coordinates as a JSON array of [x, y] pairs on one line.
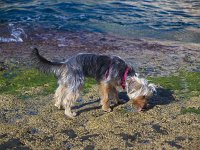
[[37, 124]]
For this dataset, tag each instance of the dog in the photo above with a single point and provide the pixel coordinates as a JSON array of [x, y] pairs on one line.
[[110, 72]]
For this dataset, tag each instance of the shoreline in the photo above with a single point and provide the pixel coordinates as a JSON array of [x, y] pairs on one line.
[[149, 57], [29, 119]]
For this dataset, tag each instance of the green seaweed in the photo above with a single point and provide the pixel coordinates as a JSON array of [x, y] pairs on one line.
[[18, 81], [190, 110], [193, 80], [171, 82], [185, 80], [89, 83], [184, 85]]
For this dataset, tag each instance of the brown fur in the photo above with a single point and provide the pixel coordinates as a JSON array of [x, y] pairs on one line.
[[140, 103], [105, 89], [114, 95], [108, 91]]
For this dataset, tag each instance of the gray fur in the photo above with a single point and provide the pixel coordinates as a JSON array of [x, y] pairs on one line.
[[71, 73]]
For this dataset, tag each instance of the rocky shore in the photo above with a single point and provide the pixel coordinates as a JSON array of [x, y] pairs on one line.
[[29, 120]]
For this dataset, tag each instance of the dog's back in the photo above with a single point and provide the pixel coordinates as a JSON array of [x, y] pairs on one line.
[[88, 64], [94, 65]]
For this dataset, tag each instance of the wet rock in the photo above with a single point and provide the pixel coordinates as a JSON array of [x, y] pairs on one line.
[[3, 118], [22, 148], [68, 145], [48, 138], [9, 75], [33, 131], [180, 138], [70, 133], [158, 129], [148, 70], [144, 141], [174, 144], [128, 108], [89, 147], [127, 137], [3, 135], [129, 144], [13, 144], [103, 39], [190, 139], [31, 112], [3, 66], [187, 58], [196, 69], [87, 137]]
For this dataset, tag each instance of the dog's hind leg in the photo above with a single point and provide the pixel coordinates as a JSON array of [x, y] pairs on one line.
[[59, 96], [105, 89], [68, 102]]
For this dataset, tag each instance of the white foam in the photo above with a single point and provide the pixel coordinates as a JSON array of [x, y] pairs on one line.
[[16, 35]]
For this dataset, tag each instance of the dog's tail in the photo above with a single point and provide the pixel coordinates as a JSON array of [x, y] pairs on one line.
[[45, 65]]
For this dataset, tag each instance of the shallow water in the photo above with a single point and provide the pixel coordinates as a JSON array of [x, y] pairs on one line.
[[166, 20]]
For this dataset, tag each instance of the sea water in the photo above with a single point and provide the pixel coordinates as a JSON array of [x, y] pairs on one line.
[[156, 19]]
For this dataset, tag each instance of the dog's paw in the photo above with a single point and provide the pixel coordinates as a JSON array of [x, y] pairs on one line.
[[70, 114], [74, 114], [101, 103], [106, 109], [57, 105]]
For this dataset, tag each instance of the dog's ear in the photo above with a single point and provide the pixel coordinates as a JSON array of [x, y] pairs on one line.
[[132, 85], [152, 87], [128, 84]]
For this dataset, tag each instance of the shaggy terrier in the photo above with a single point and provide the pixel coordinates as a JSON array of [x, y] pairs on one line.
[[109, 72]]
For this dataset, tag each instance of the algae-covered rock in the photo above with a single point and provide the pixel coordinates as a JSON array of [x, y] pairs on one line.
[[29, 119]]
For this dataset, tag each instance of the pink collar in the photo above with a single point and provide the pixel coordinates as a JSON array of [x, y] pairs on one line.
[[123, 82]]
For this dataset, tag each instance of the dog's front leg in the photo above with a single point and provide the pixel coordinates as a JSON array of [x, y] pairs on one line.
[[105, 90], [115, 96]]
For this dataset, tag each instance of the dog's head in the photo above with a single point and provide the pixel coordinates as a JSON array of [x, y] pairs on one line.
[[139, 91]]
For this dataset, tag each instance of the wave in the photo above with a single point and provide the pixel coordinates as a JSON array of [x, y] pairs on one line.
[[16, 34]]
